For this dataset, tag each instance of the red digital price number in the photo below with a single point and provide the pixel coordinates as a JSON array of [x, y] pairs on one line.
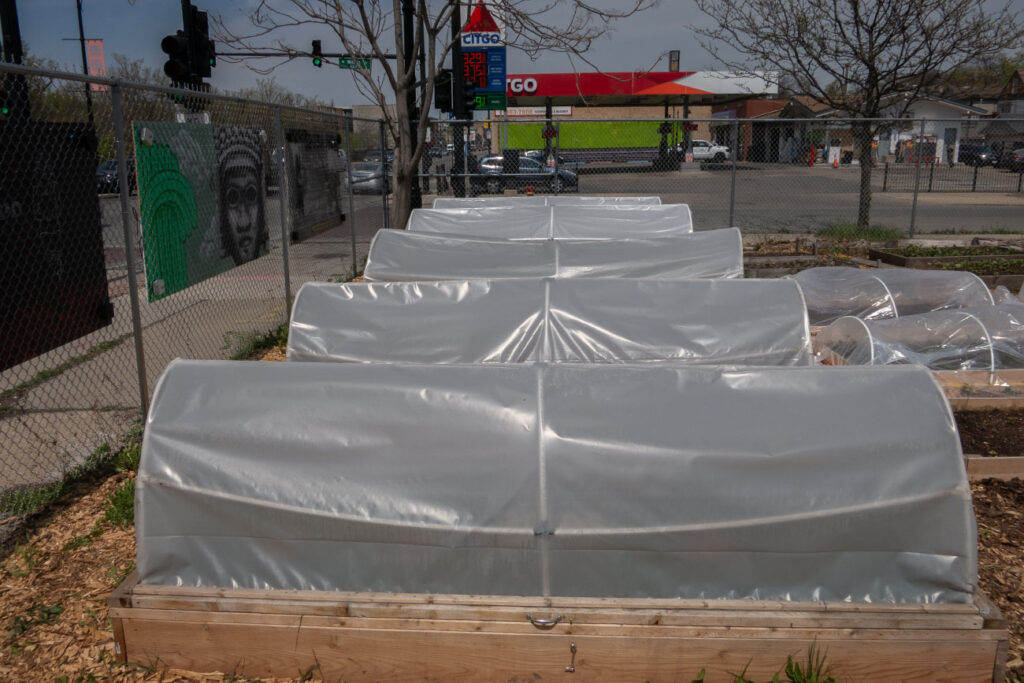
[[474, 68]]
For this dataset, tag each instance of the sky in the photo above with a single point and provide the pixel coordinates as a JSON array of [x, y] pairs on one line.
[[136, 28]]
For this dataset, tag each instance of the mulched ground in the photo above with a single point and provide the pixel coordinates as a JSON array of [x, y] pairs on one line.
[[999, 508], [991, 432]]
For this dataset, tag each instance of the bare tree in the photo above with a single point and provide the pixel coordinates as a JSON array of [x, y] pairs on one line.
[[374, 28], [858, 58]]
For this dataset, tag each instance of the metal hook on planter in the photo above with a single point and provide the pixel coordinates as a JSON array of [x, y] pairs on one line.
[[544, 623]]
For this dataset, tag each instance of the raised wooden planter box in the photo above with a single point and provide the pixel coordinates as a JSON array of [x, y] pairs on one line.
[[994, 467], [377, 636], [928, 261], [981, 390]]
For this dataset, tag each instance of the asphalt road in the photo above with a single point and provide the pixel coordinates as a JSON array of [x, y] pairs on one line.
[[775, 198]]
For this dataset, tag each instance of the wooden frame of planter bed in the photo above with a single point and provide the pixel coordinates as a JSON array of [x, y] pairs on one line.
[[375, 636]]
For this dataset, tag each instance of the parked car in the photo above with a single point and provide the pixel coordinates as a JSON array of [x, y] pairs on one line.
[[1015, 160], [107, 180], [370, 176], [976, 154], [706, 151], [489, 176], [374, 155], [541, 156]]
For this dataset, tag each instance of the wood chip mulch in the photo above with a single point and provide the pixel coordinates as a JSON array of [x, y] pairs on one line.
[[999, 508]]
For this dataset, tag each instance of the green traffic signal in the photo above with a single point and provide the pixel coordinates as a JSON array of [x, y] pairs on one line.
[[5, 111], [317, 62], [318, 55]]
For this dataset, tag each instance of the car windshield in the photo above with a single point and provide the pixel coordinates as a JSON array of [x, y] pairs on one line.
[[366, 166], [107, 166]]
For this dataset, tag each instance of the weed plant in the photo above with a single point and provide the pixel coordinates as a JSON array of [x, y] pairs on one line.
[[846, 230]]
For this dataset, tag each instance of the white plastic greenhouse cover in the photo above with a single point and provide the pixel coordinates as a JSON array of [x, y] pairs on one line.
[[977, 338], [563, 480], [626, 221], [748, 322], [538, 200], [836, 291], [399, 255]]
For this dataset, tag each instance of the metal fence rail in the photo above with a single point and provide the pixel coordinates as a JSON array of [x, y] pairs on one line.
[[103, 286]]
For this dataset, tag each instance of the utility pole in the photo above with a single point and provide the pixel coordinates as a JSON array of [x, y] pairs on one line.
[[85, 62]]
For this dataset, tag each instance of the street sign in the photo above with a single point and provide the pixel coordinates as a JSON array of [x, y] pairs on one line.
[[357, 63]]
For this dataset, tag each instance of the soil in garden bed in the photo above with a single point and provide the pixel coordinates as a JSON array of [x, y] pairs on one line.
[[991, 432]]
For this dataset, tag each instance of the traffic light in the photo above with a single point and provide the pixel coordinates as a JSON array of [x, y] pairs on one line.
[[443, 90], [468, 98], [178, 65], [318, 55], [202, 46]]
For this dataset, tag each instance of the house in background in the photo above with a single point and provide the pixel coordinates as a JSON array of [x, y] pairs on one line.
[[1006, 131]]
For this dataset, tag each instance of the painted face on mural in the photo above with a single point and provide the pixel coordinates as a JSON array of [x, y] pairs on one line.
[[240, 197]]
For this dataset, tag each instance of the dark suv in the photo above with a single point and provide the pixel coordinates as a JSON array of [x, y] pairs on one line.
[[976, 154]]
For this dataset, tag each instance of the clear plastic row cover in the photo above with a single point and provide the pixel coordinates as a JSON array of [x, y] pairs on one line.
[[872, 294], [749, 322], [613, 221], [538, 200], [399, 255], [561, 480], [978, 338]]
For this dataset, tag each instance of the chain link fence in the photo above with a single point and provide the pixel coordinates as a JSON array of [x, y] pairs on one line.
[[144, 224], [782, 174]]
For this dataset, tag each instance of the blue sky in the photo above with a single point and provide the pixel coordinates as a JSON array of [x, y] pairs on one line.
[[136, 28]]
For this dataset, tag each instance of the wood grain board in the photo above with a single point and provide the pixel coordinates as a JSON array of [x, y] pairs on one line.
[[384, 636]]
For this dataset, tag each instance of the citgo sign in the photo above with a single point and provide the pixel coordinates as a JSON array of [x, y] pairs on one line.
[[518, 86]]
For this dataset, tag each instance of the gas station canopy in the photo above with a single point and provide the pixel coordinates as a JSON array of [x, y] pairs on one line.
[[634, 88]]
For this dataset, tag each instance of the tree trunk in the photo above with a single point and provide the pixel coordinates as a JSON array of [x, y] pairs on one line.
[[404, 168], [862, 136]]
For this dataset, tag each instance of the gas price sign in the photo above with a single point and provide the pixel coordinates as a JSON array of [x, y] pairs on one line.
[[474, 68], [485, 68]]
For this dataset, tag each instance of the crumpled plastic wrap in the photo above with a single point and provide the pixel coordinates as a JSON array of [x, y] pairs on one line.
[[977, 338], [539, 200], [609, 221], [563, 480], [748, 322], [836, 291], [399, 255]]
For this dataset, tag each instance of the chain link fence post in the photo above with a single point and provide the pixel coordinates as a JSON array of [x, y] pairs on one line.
[[917, 179], [129, 243], [385, 181], [282, 184], [557, 182], [351, 197], [732, 180]]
